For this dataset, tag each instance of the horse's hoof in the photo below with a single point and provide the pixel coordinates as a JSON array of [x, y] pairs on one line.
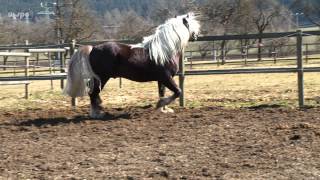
[[166, 110], [96, 115], [169, 110]]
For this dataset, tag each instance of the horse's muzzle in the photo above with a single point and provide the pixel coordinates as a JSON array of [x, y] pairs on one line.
[[193, 37]]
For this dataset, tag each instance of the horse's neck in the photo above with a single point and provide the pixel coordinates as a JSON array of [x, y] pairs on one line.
[[176, 58]]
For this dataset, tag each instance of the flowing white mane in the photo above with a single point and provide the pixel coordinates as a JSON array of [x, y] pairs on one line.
[[169, 38]]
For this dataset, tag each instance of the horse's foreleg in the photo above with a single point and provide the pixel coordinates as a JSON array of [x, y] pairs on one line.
[[170, 84], [162, 90], [95, 99]]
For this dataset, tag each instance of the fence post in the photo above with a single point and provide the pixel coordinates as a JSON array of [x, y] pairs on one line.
[[214, 52], [181, 79], [5, 59], [306, 53], [26, 73], [50, 69], [300, 68], [274, 53], [62, 65], [72, 50], [34, 65], [244, 53]]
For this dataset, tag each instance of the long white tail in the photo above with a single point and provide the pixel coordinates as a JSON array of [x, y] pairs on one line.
[[79, 73]]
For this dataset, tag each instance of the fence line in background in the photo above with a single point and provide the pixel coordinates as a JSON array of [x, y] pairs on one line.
[[26, 57], [299, 69]]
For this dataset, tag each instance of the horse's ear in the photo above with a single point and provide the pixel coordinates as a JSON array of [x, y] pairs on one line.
[[185, 22], [175, 16], [188, 15]]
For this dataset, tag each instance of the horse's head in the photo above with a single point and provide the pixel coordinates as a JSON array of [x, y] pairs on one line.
[[172, 37], [192, 24]]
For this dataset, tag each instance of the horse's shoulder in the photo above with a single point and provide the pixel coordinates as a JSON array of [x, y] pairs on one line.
[[86, 49], [106, 45], [112, 47]]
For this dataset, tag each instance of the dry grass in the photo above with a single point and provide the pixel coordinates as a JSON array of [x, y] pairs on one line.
[[215, 90]]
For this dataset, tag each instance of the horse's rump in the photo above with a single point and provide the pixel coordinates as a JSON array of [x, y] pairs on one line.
[[79, 73]]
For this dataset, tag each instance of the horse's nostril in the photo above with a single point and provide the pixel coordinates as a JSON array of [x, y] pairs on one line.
[[194, 36]]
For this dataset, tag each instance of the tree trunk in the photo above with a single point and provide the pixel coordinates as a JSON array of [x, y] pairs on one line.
[[259, 48], [223, 52]]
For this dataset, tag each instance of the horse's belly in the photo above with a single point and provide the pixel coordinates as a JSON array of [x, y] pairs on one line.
[[138, 75]]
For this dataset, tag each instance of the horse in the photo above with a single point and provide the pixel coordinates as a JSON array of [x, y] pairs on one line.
[[156, 58]]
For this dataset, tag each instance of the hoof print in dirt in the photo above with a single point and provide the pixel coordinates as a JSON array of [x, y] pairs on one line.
[[205, 172], [162, 173], [295, 137]]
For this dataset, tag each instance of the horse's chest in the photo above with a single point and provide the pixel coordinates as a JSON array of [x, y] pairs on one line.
[[173, 65]]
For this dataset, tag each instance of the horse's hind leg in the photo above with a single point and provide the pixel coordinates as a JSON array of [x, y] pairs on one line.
[[95, 99], [170, 84]]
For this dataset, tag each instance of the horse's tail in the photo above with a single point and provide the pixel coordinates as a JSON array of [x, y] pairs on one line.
[[79, 73]]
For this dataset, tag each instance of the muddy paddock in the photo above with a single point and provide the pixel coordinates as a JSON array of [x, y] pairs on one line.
[[138, 142]]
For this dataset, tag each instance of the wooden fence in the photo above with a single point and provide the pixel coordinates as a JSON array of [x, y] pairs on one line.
[[243, 56], [299, 70], [26, 57], [26, 78]]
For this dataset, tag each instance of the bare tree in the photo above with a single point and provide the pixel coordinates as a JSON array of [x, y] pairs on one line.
[[133, 26], [243, 23], [266, 12], [221, 15], [126, 25], [74, 20], [16, 32]]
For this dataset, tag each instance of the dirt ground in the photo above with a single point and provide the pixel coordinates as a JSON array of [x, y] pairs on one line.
[[139, 143]]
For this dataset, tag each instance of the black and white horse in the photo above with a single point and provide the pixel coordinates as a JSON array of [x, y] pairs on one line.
[[155, 59]]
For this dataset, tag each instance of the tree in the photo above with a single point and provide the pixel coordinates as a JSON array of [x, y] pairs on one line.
[[126, 25], [74, 20], [132, 26], [16, 32], [243, 23], [266, 12], [221, 16]]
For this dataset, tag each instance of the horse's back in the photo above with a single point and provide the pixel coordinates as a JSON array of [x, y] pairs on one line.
[[121, 60], [104, 57]]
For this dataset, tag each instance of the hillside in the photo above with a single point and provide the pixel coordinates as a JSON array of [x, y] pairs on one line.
[[142, 7]]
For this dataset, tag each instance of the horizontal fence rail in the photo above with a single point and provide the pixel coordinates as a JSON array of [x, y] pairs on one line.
[[250, 71], [15, 54], [69, 48], [59, 76], [257, 36], [47, 50], [299, 70]]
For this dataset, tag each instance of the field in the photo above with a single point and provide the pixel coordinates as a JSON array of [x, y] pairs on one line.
[[233, 127]]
